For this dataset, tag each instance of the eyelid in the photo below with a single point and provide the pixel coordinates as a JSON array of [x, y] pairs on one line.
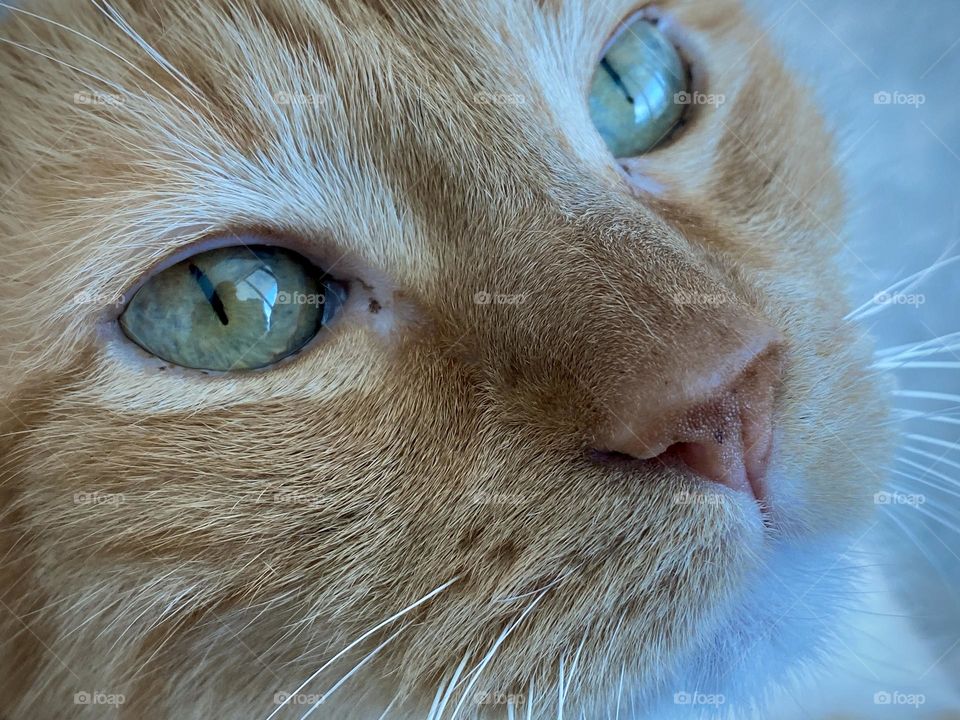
[[672, 29], [629, 19], [319, 252]]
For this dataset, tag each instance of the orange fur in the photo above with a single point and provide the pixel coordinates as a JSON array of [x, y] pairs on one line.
[[253, 525]]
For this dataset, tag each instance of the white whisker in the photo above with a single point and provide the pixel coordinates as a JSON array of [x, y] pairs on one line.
[[348, 648], [117, 19], [931, 456], [872, 307], [571, 677], [372, 654], [437, 712], [919, 479], [927, 395], [387, 709], [941, 415], [474, 674], [922, 364], [924, 511], [944, 343], [933, 441], [100, 45], [945, 577], [561, 691]]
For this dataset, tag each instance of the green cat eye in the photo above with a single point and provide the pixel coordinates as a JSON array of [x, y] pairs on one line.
[[639, 90], [236, 308]]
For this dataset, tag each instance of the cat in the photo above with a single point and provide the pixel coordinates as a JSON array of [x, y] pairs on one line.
[[587, 435]]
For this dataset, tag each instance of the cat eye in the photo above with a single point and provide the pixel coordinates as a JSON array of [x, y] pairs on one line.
[[638, 90], [234, 308]]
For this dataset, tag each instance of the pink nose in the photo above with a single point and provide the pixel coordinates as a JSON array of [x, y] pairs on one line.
[[712, 414]]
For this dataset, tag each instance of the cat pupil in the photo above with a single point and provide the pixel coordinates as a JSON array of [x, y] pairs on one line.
[[213, 297], [618, 81]]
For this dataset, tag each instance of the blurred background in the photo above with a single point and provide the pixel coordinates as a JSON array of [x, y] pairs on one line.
[[887, 75]]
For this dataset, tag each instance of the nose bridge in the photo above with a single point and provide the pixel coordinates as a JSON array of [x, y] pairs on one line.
[[607, 311], [640, 297], [707, 348]]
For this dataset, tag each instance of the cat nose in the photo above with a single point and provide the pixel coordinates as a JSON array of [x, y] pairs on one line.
[[712, 414]]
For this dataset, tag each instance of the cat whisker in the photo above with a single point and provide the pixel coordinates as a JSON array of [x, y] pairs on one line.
[[561, 690], [64, 63], [388, 708], [936, 518], [936, 564], [118, 20], [574, 666], [923, 348], [927, 395], [919, 479], [474, 674], [944, 416], [930, 456], [100, 45], [436, 699], [356, 668], [530, 692], [440, 705], [947, 420], [921, 364], [430, 595], [620, 690], [871, 307], [933, 441], [548, 586]]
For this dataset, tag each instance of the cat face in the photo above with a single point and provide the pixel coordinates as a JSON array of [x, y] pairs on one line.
[[450, 444]]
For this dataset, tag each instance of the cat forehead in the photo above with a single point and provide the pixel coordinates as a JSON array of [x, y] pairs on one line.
[[352, 99], [398, 128]]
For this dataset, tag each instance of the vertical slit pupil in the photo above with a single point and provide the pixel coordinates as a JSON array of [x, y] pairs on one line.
[[210, 292]]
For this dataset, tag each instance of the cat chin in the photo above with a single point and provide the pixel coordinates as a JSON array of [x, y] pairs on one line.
[[775, 632]]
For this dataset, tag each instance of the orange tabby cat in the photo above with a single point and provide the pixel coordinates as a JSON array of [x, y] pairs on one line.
[[585, 436]]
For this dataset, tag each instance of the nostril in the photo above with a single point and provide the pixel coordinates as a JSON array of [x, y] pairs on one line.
[[713, 461], [718, 428], [610, 457]]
